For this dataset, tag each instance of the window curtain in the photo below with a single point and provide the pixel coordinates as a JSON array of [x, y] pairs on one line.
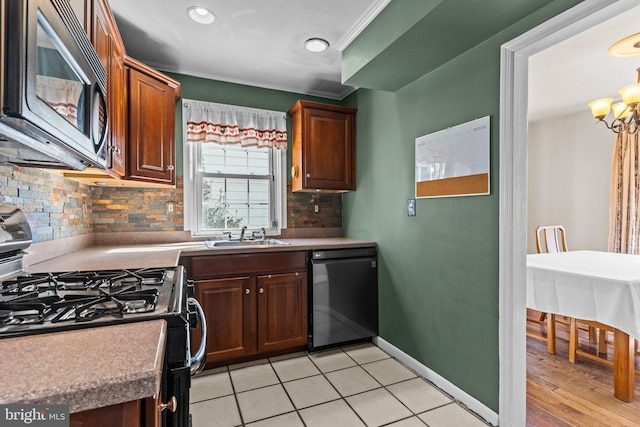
[[624, 215], [230, 124]]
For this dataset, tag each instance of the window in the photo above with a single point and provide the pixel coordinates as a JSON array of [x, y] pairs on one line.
[[230, 186]]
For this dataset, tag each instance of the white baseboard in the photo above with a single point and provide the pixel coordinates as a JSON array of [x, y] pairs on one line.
[[458, 394]]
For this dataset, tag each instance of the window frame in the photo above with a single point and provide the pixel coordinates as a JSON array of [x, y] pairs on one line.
[[193, 192]]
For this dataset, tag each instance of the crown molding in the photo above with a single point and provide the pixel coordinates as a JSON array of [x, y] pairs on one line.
[[361, 24]]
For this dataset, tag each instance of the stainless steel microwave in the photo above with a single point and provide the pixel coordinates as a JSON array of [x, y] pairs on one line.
[[52, 88]]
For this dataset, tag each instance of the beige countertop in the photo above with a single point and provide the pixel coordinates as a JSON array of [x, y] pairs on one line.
[[117, 363], [294, 245], [85, 368], [167, 254]]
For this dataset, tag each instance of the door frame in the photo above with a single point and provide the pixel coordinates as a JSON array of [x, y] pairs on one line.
[[514, 57]]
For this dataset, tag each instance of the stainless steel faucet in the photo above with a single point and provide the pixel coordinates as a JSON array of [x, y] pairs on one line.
[[255, 234]]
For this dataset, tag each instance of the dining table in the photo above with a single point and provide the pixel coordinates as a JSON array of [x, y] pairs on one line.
[[596, 286]]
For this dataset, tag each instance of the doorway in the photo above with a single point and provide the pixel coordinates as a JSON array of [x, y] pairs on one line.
[[513, 190]]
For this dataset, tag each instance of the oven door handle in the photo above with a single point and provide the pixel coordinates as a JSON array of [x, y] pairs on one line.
[[196, 362]]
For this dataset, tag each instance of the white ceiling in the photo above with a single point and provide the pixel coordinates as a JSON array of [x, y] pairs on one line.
[[255, 42], [564, 78], [261, 43]]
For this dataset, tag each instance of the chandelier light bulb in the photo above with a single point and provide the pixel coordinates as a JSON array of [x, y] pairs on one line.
[[630, 94], [600, 107], [621, 110]]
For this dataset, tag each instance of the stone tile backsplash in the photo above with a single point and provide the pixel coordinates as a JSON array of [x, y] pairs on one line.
[[57, 207]]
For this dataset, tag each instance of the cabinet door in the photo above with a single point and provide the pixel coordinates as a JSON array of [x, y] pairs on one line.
[[111, 53], [101, 38], [117, 112], [230, 309], [128, 414], [282, 311], [328, 150], [150, 154]]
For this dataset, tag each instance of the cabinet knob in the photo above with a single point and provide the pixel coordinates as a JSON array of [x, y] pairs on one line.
[[297, 274], [247, 291], [261, 290], [171, 405], [114, 148], [170, 167], [308, 175]]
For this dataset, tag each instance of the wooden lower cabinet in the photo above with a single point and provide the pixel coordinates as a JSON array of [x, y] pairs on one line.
[[136, 413], [250, 314]]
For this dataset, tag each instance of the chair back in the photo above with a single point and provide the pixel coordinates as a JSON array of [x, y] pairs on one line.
[[550, 239]]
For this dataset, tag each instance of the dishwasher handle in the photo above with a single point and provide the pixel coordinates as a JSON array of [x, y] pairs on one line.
[[344, 253]]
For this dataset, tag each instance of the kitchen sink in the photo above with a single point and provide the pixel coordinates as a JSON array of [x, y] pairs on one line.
[[244, 243]]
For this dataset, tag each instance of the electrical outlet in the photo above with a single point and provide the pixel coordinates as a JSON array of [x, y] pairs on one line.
[[411, 207], [170, 208], [316, 208]]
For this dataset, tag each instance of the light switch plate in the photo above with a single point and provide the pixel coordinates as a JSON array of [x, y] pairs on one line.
[[411, 207]]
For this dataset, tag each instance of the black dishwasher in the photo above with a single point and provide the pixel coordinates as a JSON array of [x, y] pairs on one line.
[[343, 297]]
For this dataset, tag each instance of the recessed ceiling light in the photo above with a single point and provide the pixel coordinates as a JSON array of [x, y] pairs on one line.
[[316, 45], [626, 47], [201, 15]]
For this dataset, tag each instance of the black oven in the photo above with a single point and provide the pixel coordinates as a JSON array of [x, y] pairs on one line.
[[60, 301], [53, 88], [179, 363], [48, 302]]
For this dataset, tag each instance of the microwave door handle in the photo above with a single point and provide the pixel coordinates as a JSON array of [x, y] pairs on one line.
[[196, 362]]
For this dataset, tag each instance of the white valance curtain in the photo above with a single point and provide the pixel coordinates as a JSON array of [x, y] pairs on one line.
[[231, 124]]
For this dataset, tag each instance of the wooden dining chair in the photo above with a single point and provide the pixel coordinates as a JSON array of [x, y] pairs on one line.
[[550, 239], [553, 239]]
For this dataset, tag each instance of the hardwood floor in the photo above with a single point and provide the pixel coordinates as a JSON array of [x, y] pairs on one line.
[[563, 394]]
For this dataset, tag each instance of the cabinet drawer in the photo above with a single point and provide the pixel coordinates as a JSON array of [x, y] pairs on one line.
[[210, 266]]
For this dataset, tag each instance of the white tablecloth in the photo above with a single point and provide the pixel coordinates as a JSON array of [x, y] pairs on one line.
[[601, 286]]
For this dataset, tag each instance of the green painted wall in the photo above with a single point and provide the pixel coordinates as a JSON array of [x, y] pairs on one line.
[[438, 273], [391, 24], [235, 94]]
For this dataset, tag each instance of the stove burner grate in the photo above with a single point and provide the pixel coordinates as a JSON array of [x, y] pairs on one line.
[[79, 296]]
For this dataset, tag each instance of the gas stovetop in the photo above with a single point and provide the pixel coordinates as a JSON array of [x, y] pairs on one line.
[[44, 302]]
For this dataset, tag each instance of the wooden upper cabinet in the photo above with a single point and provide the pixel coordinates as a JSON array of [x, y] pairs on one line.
[[110, 49], [323, 147], [151, 141], [118, 113], [140, 104]]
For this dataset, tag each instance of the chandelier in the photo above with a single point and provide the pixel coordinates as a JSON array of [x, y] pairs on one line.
[[626, 114]]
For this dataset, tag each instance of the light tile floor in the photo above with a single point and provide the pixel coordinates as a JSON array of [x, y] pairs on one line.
[[359, 385]]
